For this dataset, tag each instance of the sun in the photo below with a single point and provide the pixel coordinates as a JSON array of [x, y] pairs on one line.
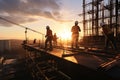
[[65, 35]]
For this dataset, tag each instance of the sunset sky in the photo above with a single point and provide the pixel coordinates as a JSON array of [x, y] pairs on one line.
[[37, 14]]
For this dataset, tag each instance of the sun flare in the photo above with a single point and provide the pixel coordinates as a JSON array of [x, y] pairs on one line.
[[65, 34]]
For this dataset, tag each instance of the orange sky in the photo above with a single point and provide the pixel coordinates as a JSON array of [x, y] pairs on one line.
[[60, 16]]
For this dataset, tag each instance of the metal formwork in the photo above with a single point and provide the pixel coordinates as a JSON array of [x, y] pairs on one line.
[[96, 11], [42, 66]]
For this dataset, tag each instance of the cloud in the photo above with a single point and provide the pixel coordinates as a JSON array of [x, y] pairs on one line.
[[23, 11]]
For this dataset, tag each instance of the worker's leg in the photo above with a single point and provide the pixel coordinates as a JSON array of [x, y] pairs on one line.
[[76, 40], [50, 42], [106, 43], [46, 41], [113, 41]]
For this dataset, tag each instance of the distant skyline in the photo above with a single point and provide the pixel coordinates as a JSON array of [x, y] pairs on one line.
[[37, 14]]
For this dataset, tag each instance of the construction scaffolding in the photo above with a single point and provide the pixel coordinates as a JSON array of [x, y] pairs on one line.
[[97, 11]]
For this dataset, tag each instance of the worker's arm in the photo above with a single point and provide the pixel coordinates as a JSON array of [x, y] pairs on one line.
[[79, 29]]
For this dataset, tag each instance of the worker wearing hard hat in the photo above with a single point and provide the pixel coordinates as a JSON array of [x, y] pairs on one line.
[[75, 34], [109, 35], [55, 39], [49, 37]]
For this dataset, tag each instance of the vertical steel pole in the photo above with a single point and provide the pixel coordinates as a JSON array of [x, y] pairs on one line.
[[26, 35], [84, 17]]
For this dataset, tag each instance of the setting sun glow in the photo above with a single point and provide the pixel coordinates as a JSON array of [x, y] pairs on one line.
[[65, 34]]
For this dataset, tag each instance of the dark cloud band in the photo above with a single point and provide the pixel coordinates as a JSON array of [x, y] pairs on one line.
[[21, 11]]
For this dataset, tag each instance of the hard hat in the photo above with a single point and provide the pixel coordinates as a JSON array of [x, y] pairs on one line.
[[102, 23], [47, 27], [76, 22]]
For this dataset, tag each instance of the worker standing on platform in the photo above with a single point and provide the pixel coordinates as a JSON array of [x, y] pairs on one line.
[[109, 35], [49, 38], [55, 39], [34, 41], [75, 34]]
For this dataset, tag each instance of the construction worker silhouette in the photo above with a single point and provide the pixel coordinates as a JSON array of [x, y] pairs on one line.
[[55, 39], [49, 38], [75, 35], [109, 36], [34, 41]]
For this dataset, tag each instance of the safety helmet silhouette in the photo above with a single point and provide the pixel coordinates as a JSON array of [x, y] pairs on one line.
[[76, 22], [47, 27], [102, 24]]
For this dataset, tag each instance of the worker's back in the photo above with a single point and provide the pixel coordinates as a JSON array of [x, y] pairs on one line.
[[75, 29], [107, 30]]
